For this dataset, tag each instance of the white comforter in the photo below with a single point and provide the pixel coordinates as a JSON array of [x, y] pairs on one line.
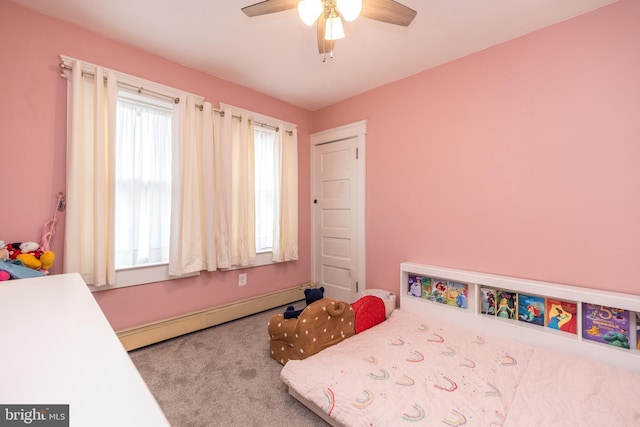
[[417, 370]]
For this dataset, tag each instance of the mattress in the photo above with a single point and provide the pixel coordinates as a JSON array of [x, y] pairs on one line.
[[420, 370]]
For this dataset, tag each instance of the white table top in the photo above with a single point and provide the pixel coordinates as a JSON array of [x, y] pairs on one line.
[[58, 348]]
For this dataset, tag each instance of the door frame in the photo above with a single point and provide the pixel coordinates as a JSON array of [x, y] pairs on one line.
[[356, 130]]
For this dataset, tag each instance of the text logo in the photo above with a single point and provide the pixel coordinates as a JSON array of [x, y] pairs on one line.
[[34, 415]]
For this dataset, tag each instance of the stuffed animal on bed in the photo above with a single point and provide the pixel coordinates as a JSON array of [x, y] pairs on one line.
[[310, 295]]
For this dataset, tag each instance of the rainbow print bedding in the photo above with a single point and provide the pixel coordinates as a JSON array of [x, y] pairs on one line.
[[414, 369]]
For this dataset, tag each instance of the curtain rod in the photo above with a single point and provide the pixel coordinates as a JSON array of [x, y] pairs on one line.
[[138, 88], [175, 100], [263, 125]]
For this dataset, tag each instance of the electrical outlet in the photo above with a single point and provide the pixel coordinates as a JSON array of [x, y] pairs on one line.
[[242, 279]]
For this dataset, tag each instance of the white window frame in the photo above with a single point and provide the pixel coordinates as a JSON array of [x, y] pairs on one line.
[[153, 102], [141, 275], [265, 257], [272, 132]]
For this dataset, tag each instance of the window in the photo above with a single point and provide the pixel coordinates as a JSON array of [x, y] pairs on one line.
[[143, 181], [265, 186], [143, 187], [159, 194], [275, 186]]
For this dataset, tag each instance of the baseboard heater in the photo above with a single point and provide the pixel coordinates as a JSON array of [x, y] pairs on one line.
[[151, 333]]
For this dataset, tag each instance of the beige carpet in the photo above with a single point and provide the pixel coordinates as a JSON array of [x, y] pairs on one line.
[[222, 376]]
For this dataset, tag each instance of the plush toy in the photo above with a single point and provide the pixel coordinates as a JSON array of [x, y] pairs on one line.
[[28, 256], [11, 268], [310, 295], [4, 252], [31, 255]]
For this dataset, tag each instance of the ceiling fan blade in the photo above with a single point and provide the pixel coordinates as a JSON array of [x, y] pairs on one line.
[[269, 6], [324, 46], [388, 11]]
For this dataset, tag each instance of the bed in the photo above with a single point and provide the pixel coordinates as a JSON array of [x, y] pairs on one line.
[[435, 364]]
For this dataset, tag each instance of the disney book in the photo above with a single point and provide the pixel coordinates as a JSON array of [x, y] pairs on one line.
[[457, 294], [638, 330], [506, 304], [426, 287], [607, 325], [561, 315], [487, 301], [531, 309], [439, 290], [415, 285]]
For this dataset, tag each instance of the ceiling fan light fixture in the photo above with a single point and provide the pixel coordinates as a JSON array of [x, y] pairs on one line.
[[349, 9], [329, 15], [310, 10], [333, 28]]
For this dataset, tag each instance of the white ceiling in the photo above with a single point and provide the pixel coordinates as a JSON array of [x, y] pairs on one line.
[[276, 54]]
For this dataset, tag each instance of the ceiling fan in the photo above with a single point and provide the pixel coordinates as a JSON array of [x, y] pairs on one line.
[[329, 15]]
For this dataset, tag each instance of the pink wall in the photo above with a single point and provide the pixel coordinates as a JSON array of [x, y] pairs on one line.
[[32, 156], [519, 160]]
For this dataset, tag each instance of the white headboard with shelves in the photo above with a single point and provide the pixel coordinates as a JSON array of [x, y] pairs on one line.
[[539, 335]]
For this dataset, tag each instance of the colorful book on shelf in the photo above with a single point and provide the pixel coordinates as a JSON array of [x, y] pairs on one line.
[[561, 315], [427, 288], [414, 285], [531, 309], [506, 304], [457, 294], [638, 330], [607, 325], [439, 290], [487, 301]]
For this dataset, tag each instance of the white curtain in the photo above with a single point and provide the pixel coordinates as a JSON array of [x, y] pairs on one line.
[[209, 186], [212, 206], [285, 241], [89, 230], [243, 241], [143, 210], [193, 245], [222, 185], [234, 204]]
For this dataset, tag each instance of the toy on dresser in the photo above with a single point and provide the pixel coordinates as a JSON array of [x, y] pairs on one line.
[[20, 260], [31, 255]]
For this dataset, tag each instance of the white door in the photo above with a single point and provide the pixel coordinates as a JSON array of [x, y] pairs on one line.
[[338, 216]]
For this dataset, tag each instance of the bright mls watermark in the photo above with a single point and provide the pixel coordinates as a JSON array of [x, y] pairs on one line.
[[34, 415]]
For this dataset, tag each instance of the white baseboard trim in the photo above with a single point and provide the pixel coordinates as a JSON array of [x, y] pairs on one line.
[[151, 333]]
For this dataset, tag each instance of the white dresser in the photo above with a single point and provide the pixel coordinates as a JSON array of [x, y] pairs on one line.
[[58, 348]]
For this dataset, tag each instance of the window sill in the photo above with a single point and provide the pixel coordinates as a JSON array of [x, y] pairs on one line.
[[160, 273]]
